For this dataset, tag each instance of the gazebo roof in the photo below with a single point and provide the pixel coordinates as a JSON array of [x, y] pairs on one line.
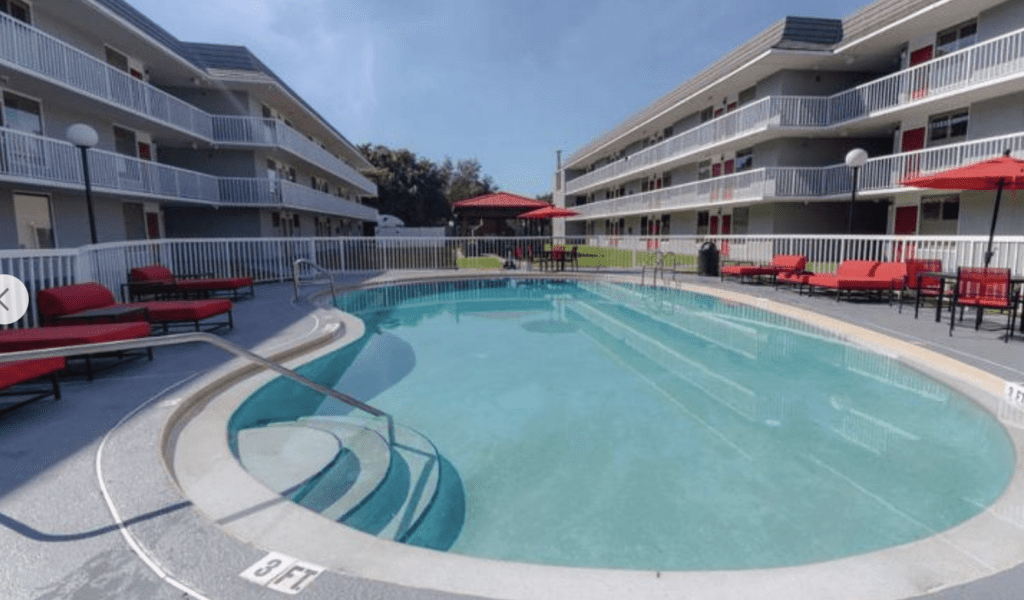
[[500, 200]]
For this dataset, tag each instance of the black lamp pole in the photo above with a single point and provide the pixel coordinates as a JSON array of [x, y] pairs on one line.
[[853, 199], [88, 192]]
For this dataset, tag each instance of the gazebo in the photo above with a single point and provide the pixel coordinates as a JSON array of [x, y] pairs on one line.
[[488, 215]]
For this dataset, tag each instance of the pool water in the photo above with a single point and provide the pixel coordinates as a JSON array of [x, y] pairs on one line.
[[606, 425]]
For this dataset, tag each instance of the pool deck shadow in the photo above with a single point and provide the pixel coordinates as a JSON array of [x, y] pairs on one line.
[[73, 482]]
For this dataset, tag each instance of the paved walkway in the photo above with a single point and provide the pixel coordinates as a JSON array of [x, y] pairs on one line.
[[66, 481]]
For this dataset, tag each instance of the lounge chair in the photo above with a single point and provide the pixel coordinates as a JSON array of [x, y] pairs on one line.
[[862, 276], [781, 263], [922, 287], [89, 303], [13, 374], [37, 338], [157, 281]]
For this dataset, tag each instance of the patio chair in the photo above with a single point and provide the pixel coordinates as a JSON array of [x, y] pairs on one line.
[[781, 263], [574, 258], [158, 282], [922, 287], [14, 374], [557, 257], [984, 288]]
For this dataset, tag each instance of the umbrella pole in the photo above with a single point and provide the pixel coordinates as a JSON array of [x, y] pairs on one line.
[[992, 229]]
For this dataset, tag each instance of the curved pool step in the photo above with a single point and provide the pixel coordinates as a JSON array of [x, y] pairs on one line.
[[396, 507], [345, 486], [286, 457]]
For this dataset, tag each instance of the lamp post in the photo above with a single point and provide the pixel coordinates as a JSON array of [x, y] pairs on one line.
[[855, 159], [85, 137]]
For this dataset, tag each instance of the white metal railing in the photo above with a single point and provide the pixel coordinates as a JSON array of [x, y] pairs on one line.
[[775, 111], [28, 48], [878, 174], [272, 132], [273, 259], [37, 159], [975, 65]]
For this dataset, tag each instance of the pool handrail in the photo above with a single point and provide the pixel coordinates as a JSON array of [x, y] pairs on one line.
[[207, 338], [316, 267]]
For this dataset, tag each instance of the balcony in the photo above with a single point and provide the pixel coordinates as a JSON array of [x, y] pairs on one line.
[[971, 67], [241, 191], [879, 175], [28, 49], [271, 132], [35, 160]]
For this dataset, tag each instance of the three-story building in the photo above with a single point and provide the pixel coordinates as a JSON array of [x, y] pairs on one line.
[[755, 143], [195, 140]]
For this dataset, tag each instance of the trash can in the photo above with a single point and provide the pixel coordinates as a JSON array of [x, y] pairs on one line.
[[707, 259]]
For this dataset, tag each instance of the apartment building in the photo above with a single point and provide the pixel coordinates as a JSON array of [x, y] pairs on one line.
[[756, 142], [195, 139]]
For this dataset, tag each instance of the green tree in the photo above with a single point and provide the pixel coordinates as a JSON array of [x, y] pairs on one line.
[[466, 180]]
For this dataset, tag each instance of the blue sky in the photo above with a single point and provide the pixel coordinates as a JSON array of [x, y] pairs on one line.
[[507, 82]]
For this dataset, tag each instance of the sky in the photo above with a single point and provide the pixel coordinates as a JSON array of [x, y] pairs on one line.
[[507, 82]]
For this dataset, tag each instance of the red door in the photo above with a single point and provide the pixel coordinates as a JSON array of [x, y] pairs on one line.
[[713, 225], [919, 79], [153, 225], [729, 167], [913, 139], [905, 224]]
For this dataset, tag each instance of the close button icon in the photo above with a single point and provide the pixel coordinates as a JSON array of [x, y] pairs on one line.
[[13, 299]]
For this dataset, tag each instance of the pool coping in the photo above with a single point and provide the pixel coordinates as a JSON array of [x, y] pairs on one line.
[[196, 453]]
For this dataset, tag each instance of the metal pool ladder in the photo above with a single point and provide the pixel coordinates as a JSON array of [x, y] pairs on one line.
[[297, 268]]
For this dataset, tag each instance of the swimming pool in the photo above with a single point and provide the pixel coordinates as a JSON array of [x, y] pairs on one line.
[[606, 425]]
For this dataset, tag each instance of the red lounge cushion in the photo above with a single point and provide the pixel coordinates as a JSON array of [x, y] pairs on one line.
[[13, 373], [747, 270], [856, 268], [34, 338], [54, 302], [852, 283], [152, 273], [794, 277], [789, 262], [209, 285], [183, 310]]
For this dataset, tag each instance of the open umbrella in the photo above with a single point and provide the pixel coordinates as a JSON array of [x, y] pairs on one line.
[[1000, 173], [548, 212]]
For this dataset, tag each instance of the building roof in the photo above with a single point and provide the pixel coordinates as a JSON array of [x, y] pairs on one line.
[[500, 200], [791, 33]]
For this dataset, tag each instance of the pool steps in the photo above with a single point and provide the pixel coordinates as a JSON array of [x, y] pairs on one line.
[[412, 476]]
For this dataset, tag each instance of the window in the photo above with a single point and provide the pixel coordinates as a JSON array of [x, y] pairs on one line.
[[747, 96], [956, 38], [116, 59], [744, 160], [707, 114], [17, 9], [702, 222], [33, 220], [939, 215], [124, 141], [949, 127], [704, 170], [740, 220], [22, 114]]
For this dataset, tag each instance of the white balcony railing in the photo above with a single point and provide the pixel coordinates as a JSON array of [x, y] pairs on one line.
[[39, 160], [879, 174], [975, 65], [271, 132], [267, 192], [27, 48]]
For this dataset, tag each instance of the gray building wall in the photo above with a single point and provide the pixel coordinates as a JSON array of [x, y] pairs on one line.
[[816, 217], [217, 102], [222, 163], [191, 222], [997, 116], [810, 83], [815, 152], [1000, 19]]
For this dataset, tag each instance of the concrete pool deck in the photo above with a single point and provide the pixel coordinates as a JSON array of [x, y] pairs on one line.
[[88, 509]]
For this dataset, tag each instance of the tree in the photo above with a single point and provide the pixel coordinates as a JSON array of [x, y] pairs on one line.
[[418, 190], [548, 197]]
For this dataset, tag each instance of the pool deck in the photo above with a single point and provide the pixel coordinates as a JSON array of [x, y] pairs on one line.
[[89, 511]]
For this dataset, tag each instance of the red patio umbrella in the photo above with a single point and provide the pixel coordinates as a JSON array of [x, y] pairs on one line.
[[548, 212], [1000, 173]]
